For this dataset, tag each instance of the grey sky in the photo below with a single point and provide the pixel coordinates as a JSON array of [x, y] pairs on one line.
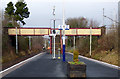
[[41, 10]]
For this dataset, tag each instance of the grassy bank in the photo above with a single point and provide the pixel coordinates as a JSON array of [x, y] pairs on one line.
[[110, 57], [13, 58]]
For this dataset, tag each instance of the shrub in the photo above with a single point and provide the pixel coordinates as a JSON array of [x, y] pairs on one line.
[[10, 25], [77, 62], [75, 56], [71, 51]]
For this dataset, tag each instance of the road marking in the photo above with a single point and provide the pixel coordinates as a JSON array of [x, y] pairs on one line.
[[14, 66], [100, 62]]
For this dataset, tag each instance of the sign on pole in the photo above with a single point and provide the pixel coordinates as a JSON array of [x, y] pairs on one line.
[[66, 27], [60, 27]]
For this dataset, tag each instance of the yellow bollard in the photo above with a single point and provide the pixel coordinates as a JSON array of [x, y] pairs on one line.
[[58, 57], [59, 53]]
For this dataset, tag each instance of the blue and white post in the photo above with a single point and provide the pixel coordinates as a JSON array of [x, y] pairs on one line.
[[63, 43], [63, 35]]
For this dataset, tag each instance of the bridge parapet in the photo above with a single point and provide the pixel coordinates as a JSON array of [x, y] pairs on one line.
[[47, 31]]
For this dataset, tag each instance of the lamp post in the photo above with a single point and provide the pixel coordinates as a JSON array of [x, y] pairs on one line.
[[54, 31], [63, 27]]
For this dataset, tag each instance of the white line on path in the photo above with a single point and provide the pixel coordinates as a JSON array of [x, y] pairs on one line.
[[12, 68], [100, 62]]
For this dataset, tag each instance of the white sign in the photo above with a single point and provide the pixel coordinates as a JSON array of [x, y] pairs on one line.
[[60, 27], [64, 38], [66, 27], [52, 35]]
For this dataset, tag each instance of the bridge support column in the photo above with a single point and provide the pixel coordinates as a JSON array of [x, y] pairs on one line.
[[16, 41], [51, 45], [61, 42]]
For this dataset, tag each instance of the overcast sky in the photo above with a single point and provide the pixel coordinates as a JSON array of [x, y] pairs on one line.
[[41, 10]]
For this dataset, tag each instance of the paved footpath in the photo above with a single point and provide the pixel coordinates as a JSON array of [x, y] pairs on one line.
[[95, 69], [42, 66], [45, 66]]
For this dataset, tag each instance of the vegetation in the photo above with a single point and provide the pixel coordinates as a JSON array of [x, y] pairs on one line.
[[104, 47], [11, 18], [17, 14], [76, 62], [80, 22], [75, 58]]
